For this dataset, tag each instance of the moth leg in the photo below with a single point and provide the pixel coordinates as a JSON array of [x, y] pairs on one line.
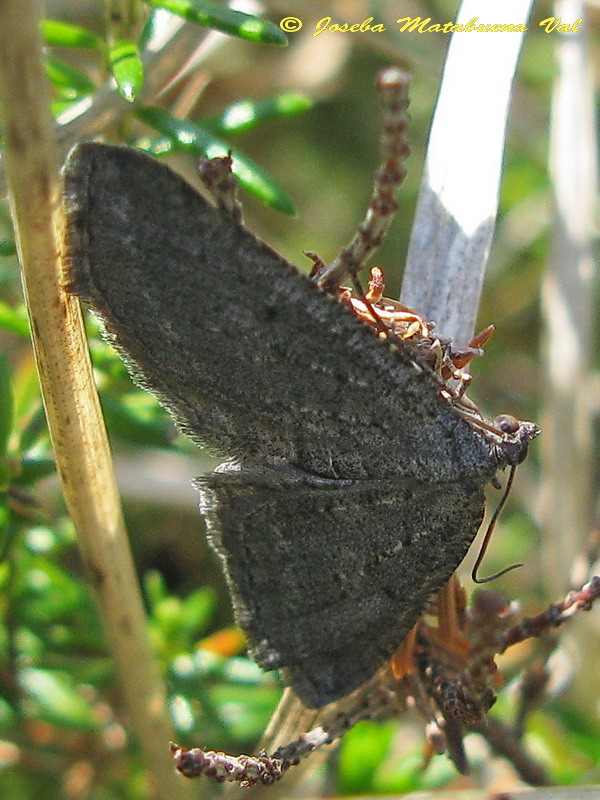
[[392, 87], [217, 176]]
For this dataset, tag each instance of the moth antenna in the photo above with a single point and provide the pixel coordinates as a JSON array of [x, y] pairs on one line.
[[392, 86], [216, 174], [488, 535]]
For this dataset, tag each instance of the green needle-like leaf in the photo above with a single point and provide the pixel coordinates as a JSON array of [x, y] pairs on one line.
[[236, 23], [247, 114], [68, 80], [34, 469], [63, 34], [58, 700], [197, 140], [14, 320], [6, 404], [7, 247], [127, 68]]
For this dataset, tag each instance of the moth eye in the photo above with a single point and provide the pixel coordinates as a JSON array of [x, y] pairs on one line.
[[506, 423]]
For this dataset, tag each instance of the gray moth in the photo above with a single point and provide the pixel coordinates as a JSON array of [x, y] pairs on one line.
[[352, 488]]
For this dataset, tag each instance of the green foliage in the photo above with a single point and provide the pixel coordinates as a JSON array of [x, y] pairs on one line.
[[62, 34], [14, 319], [6, 409], [68, 82], [7, 247], [361, 756], [248, 114], [127, 68], [51, 644], [221, 18], [200, 142], [124, 59]]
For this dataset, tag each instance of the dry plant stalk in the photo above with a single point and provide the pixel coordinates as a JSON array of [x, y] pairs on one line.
[[70, 399], [570, 332]]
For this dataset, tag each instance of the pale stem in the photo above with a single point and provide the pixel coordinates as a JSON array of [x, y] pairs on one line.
[[569, 335], [70, 398]]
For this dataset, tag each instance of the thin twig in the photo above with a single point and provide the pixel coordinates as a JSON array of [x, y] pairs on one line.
[[503, 742], [264, 769], [392, 88], [555, 615]]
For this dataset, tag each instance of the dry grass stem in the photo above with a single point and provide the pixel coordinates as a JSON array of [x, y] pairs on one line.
[[568, 305], [72, 408]]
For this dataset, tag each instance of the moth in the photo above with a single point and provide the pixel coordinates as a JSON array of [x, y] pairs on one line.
[[354, 480]]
